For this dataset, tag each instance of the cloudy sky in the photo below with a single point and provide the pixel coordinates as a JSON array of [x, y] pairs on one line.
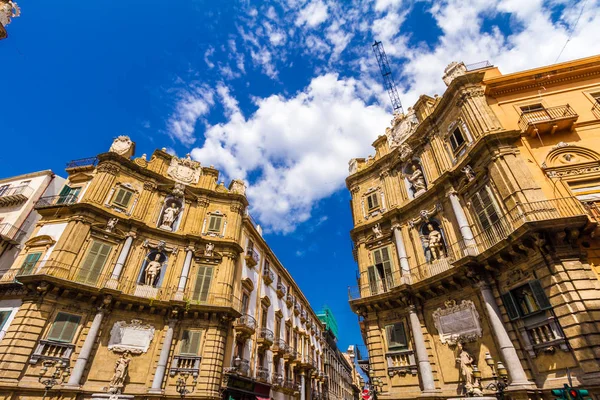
[[279, 93]]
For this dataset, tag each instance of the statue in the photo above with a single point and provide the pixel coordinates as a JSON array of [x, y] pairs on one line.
[[435, 242], [121, 367], [468, 171], [209, 249], [465, 364], [416, 179], [169, 216], [111, 224], [8, 10], [152, 271], [377, 231]]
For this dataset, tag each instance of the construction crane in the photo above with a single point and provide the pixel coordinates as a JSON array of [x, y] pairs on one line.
[[388, 80]]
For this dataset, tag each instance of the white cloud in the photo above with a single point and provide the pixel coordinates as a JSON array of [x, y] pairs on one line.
[[207, 54], [313, 15], [192, 105], [298, 146]]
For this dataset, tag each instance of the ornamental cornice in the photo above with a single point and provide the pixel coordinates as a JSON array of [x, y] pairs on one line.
[[492, 91], [109, 168]]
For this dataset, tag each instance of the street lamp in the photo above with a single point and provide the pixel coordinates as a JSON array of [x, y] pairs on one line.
[[500, 375], [181, 385], [377, 384], [61, 372]]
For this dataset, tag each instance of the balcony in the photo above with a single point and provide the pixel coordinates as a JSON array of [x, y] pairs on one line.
[[279, 347], [15, 195], [265, 338], [52, 351], [245, 326], [268, 276], [518, 221], [543, 336], [59, 200], [289, 385], [82, 164], [278, 380], [547, 120], [185, 364], [297, 309], [289, 354], [281, 290], [263, 375], [11, 233], [289, 300], [251, 257], [239, 366], [303, 316], [596, 107], [401, 362]]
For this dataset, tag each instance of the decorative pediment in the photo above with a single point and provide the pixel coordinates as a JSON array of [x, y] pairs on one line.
[[265, 301], [248, 284], [184, 170], [159, 245], [40, 241], [80, 177], [279, 314], [568, 160]]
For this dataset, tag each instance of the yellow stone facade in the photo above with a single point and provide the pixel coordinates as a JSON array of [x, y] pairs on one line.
[[148, 278], [475, 233]]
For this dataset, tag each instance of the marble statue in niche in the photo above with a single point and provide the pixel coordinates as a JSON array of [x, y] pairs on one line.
[[466, 366], [121, 368], [111, 224], [469, 173], [433, 241], [154, 263], [416, 179], [208, 251], [169, 216]]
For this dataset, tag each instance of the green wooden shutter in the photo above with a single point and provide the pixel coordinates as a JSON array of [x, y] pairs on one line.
[[190, 342], [539, 294], [387, 266], [372, 279], [202, 285], [511, 307], [400, 334], [29, 264], [123, 197], [94, 262], [63, 195], [64, 327], [214, 224], [4, 317]]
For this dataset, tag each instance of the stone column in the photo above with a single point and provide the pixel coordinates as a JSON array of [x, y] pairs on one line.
[[302, 385], [463, 223], [401, 249], [86, 350], [184, 273], [159, 374], [113, 282], [421, 351], [509, 354]]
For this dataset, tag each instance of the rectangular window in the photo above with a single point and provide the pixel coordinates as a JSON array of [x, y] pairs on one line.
[[278, 328], [525, 300], [532, 108], [214, 223], [245, 303], [485, 208], [94, 262], [122, 197], [396, 336], [457, 140], [202, 286], [190, 342], [30, 263], [263, 317], [372, 201], [383, 266], [3, 189], [64, 327], [4, 314]]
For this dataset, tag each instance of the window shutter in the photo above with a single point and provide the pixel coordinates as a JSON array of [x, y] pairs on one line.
[[215, 223], [511, 307], [377, 257], [65, 191], [389, 333], [190, 342], [3, 318], [29, 264], [372, 279], [94, 262], [202, 285], [64, 327], [399, 334], [539, 294]]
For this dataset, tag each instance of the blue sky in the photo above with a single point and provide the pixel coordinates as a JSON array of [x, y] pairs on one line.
[[279, 93]]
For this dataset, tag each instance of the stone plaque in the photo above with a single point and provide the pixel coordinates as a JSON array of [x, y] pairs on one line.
[[132, 337], [457, 322]]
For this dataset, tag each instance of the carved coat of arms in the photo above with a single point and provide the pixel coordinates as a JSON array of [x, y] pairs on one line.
[[121, 145], [184, 170]]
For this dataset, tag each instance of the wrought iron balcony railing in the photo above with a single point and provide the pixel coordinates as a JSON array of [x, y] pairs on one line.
[[596, 106], [59, 200], [15, 195], [548, 119], [11, 233], [83, 163], [281, 290], [268, 276], [251, 257], [263, 374]]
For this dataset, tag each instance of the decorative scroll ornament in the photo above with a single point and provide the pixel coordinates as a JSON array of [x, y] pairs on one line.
[[405, 152], [184, 170], [178, 190], [403, 125], [457, 323], [453, 71], [132, 337], [469, 173], [121, 145], [111, 224], [238, 186], [425, 215], [8, 10]]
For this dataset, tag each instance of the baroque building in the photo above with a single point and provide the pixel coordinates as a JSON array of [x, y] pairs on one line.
[[148, 279], [475, 232]]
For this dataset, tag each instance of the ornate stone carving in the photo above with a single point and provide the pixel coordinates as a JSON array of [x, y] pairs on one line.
[[425, 215], [238, 186], [169, 216], [178, 190], [208, 251], [121, 369], [377, 231], [434, 242], [109, 168], [469, 173], [405, 151], [471, 384], [111, 224], [133, 337], [417, 179], [184, 170], [152, 271], [8, 10], [403, 125], [122, 145], [453, 71], [353, 166], [149, 185], [457, 322]]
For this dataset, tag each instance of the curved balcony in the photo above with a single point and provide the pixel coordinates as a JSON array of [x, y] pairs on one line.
[[11, 233], [251, 257], [265, 338], [278, 380], [268, 276], [82, 164], [289, 300], [279, 347], [263, 375], [289, 354], [281, 290], [15, 195], [245, 326]]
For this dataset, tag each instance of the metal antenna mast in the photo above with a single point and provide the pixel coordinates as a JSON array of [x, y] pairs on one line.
[[386, 72]]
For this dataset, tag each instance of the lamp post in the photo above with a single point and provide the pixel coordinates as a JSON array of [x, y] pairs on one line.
[[500, 375], [61, 372], [377, 385], [181, 385]]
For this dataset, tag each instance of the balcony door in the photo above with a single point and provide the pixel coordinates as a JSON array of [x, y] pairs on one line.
[[380, 274]]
